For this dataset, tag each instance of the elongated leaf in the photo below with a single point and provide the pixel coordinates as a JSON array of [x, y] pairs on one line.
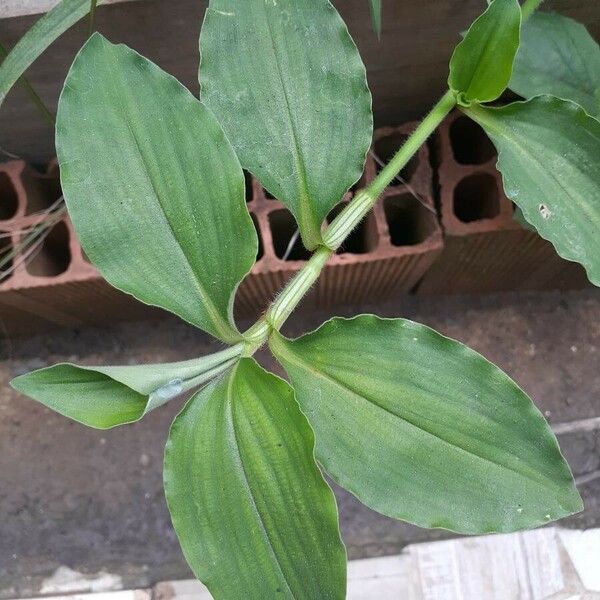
[[154, 189], [558, 56], [421, 428], [481, 65], [549, 156], [287, 83], [37, 39], [253, 514], [103, 397], [375, 6]]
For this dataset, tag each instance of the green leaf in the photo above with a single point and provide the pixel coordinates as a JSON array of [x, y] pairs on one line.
[[253, 514], [104, 397], [54, 23], [481, 65], [559, 57], [549, 156], [154, 189], [421, 428], [375, 6], [288, 85]]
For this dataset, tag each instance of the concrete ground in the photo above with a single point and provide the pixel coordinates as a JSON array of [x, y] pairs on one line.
[[93, 501]]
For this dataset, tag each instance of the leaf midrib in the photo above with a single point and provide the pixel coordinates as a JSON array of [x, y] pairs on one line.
[[246, 481], [221, 326], [294, 358], [305, 214]]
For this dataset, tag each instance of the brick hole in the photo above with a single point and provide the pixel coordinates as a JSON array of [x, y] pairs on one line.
[[42, 194], [363, 239], [470, 144], [268, 195], [260, 252], [385, 148], [476, 197], [5, 250], [54, 255], [248, 186], [409, 222], [9, 201], [283, 226]]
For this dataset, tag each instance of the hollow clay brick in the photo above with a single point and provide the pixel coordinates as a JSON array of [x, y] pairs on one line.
[[485, 249], [390, 250]]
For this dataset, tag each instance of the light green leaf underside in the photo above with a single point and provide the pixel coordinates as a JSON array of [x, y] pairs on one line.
[[153, 187], [253, 514], [559, 57], [375, 6], [107, 396], [481, 65], [421, 428], [287, 83], [49, 27], [549, 156]]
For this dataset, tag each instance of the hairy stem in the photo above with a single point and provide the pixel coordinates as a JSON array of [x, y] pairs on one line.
[[362, 203], [529, 7], [342, 226]]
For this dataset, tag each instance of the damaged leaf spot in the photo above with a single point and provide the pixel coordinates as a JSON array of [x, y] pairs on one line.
[[544, 211]]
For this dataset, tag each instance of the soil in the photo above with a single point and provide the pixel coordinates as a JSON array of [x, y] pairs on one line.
[[92, 500]]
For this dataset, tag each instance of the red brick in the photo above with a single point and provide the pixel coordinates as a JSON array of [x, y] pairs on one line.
[[485, 249], [389, 251]]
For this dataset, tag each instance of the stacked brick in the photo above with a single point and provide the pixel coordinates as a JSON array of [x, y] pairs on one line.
[[485, 249], [56, 286]]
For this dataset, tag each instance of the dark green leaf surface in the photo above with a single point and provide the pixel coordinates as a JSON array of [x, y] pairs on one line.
[[421, 428], [559, 57], [37, 39], [286, 81], [153, 187], [481, 65], [253, 514], [104, 397], [549, 156]]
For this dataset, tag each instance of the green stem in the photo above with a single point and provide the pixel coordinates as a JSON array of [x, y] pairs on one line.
[[297, 288], [529, 7], [341, 227], [35, 98], [362, 203]]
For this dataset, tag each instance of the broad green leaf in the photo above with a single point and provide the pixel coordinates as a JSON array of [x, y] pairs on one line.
[[559, 57], [481, 65], [154, 190], [549, 156], [54, 23], [286, 81], [103, 397], [421, 428], [253, 514], [375, 6]]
